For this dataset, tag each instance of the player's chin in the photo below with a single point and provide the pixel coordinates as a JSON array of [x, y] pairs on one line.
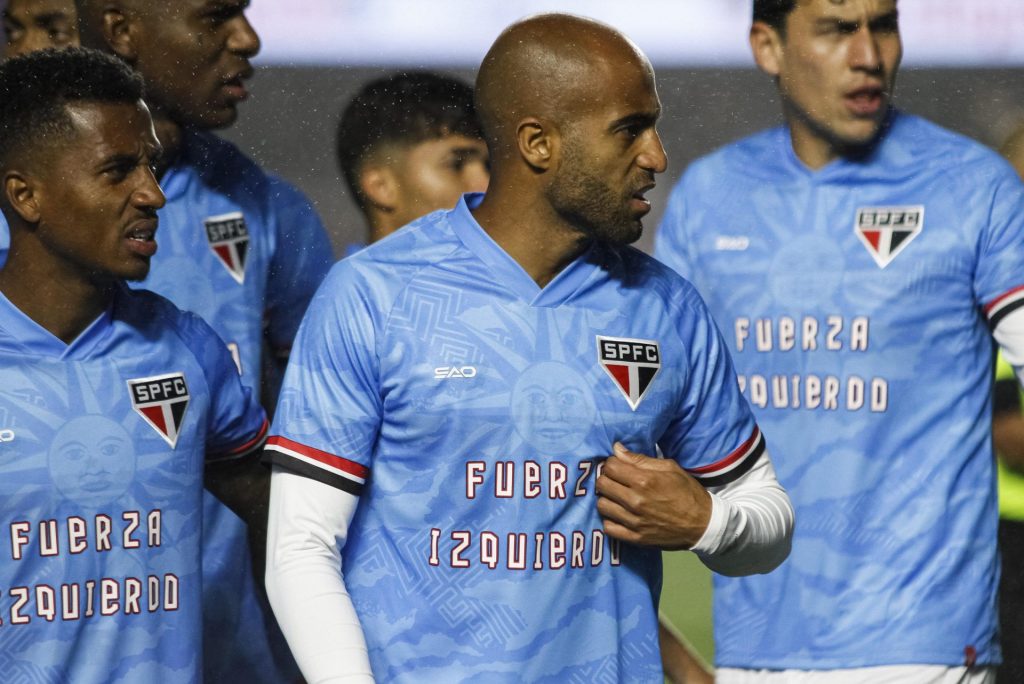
[[216, 115]]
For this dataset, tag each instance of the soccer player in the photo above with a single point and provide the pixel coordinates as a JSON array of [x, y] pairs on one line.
[[241, 248], [861, 261], [456, 388], [409, 144], [111, 399], [31, 25]]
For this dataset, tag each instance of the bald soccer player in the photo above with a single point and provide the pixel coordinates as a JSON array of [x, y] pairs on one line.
[[239, 247], [31, 25], [455, 389]]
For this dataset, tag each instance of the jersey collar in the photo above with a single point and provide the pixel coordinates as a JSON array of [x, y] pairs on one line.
[[21, 333], [507, 270], [885, 157]]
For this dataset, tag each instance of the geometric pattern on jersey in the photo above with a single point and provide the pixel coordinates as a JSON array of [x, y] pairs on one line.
[[872, 383], [886, 231], [472, 411], [100, 581], [229, 240], [246, 252]]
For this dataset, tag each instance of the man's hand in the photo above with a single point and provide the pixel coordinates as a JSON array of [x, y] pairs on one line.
[[651, 501]]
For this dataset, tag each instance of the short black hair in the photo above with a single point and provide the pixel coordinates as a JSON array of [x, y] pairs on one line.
[[773, 12], [35, 89], [403, 109]]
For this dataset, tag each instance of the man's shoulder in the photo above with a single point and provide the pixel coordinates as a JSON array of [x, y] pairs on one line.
[[222, 165], [642, 273], [923, 142], [756, 154], [389, 264], [155, 317]]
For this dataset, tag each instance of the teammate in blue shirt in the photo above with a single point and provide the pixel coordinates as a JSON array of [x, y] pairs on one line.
[[242, 249], [457, 387], [860, 260], [409, 144], [112, 401]]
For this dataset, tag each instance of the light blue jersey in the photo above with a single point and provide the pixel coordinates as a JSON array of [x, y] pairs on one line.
[[102, 449], [246, 252], [857, 302], [472, 411]]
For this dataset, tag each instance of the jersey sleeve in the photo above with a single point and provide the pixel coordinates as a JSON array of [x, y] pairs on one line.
[[236, 423], [670, 243], [301, 260], [330, 409], [713, 435], [999, 276]]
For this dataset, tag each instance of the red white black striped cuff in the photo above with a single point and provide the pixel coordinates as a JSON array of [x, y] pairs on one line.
[[245, 449], [1003, 305], [732, 466], [332, 470]]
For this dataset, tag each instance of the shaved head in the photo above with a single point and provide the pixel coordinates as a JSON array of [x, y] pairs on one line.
[[549, 66]]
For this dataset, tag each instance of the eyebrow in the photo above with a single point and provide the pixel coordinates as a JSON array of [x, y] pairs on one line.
[[638, 118], [50, 17]]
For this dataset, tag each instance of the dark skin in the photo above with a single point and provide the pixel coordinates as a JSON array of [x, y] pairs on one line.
[[82, 214], [31, 25], [194, 55], [77, 209]]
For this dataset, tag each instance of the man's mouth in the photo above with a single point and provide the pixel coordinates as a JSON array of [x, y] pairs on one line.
[[866, 101], [141, 238]]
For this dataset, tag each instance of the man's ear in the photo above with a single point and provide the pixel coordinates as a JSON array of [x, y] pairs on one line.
[[538, 143], [21, 193], [120, 32], [380, 187], [767, 45]]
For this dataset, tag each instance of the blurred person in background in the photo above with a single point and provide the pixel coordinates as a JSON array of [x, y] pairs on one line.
[[409, 144], [36, 24], [861, 260], [241, 248]]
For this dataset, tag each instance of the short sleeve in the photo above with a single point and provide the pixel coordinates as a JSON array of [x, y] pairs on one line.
[[670, 244], [236, 423], [713, 434], [330, 409], [301, 260], [999, 276]]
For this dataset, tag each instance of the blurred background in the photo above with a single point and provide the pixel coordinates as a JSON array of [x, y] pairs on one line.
[[962, 68]]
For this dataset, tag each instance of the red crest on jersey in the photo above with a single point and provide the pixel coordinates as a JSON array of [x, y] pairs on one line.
[[229, 239], [161, 400], [631, 364], [886, 231]]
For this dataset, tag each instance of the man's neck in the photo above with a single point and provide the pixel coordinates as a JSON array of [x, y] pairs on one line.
[[63, 303], [530, 232], [171, 136]]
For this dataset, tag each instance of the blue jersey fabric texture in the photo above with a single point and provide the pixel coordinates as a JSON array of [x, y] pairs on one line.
[[101, 473], [857, 302], [471, 409], [245, 251]]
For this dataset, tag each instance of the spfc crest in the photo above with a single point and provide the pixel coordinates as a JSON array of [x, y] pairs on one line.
[[886, 231], [631, 364], [161, 401], [229, 240]]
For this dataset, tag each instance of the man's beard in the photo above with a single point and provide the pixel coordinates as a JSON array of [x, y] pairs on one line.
[[590, 206]]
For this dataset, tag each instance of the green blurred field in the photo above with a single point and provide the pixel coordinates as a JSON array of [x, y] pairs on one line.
[[686, 599]]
